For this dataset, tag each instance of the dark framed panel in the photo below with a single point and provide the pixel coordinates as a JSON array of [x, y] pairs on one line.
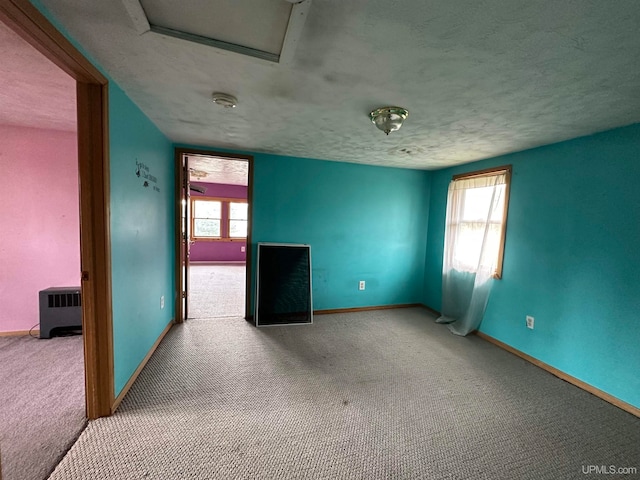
[[283, 285]]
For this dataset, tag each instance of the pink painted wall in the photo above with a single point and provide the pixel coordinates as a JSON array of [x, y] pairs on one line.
[[39, 220], [219, 251]]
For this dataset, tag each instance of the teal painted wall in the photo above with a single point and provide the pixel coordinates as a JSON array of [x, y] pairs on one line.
[[572, 258], [142, 228], [142, 233], [362, 222]]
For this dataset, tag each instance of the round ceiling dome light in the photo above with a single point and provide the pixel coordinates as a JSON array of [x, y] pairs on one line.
[[224, 99], [389, 119]]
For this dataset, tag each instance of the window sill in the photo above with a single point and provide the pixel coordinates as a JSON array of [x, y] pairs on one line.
[[208, 239]]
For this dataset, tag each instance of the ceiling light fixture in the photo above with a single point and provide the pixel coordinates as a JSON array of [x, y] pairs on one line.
[[224, 99], [389, 119], [198, 173]]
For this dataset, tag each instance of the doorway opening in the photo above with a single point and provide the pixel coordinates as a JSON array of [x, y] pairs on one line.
[[42, 374], [54, 121], [215, 234], [91, 92]]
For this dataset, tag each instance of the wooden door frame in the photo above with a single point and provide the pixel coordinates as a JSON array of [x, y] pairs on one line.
[[93, 171], [179, 152]]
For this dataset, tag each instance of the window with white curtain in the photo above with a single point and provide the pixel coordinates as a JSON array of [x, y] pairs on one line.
[[476, 221]]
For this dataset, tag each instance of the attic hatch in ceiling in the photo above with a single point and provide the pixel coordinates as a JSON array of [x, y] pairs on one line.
[[266, 29]]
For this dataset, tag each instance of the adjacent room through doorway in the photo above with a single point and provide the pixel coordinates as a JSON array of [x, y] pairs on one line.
[[218, 226], [42, 400]]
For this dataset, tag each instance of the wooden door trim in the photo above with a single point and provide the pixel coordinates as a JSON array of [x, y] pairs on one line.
[[179, 152], [179, 175], [96, 248], [93, 167]]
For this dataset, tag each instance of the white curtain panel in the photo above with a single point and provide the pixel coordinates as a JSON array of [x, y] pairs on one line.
[[475, 209]]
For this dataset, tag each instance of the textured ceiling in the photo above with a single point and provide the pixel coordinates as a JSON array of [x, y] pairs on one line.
[[218, 170], [479, 77], [33, 91]]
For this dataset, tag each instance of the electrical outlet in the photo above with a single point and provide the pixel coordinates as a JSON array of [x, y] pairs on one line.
[[361, 285], [162, 301], [242, 248], [530, 321]]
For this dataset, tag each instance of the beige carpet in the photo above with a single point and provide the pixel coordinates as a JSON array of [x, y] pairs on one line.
[[376, 395], [42, 406], [216, 290]]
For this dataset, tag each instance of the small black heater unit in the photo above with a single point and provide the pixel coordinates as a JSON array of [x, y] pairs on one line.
[[60, 308]]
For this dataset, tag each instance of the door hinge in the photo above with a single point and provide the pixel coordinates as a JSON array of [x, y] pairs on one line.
[[184, 294]]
